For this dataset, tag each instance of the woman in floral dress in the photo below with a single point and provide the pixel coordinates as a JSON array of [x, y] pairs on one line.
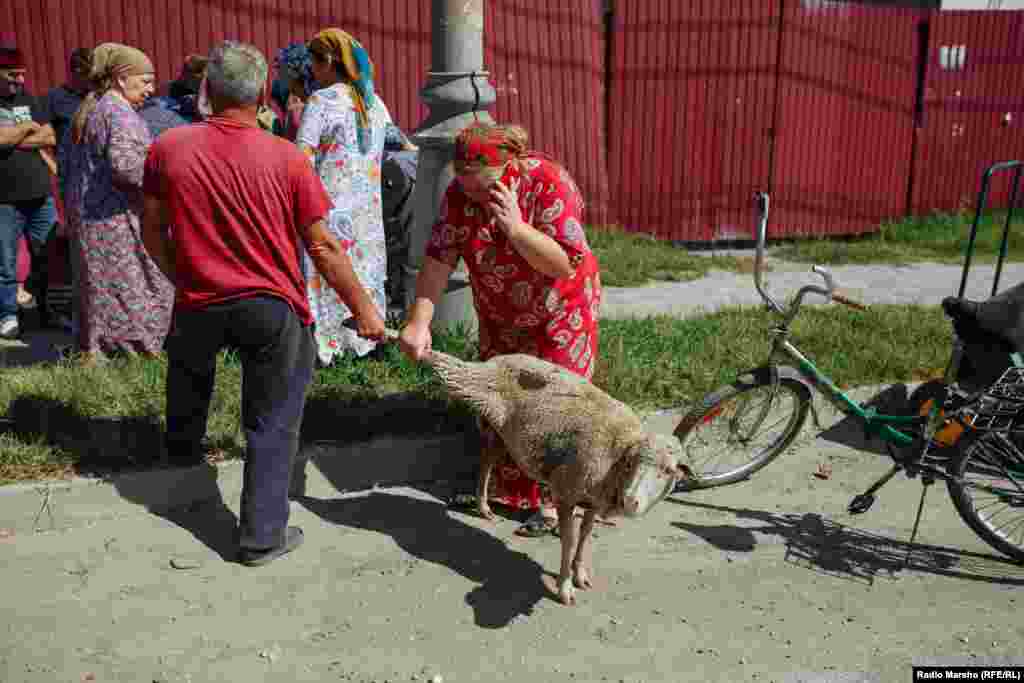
[[516, 217], [342, 132], [124, 300]]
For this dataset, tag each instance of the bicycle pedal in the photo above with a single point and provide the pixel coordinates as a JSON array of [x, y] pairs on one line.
[[861, 504]]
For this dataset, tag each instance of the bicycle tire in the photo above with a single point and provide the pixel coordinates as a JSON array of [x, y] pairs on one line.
[[978, 453], [712, 407]]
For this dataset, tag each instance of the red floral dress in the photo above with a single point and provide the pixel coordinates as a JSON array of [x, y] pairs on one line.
[[521, 310]]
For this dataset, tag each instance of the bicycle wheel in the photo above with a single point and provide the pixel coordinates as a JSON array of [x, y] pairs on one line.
[[996, 513], [741, 427]]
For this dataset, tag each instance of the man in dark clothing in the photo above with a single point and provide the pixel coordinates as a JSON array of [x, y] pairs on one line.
[[64, 100], [26, 204], [243, 205], [179, 107]]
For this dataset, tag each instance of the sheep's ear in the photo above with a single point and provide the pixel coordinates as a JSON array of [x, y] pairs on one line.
[[534, 378]]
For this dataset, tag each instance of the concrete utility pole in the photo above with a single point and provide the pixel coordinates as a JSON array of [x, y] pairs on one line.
[[457, 92]]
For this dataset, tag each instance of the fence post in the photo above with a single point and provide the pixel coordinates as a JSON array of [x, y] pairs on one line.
[[923, 56], [457, 92], [779, 55]]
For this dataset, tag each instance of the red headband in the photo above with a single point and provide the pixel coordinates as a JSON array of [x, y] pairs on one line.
[[11, 58], [481, 146]]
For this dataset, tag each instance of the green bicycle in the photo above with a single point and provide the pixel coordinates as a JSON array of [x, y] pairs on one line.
[[966, 429]]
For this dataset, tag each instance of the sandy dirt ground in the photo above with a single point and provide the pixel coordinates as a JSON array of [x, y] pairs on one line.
[[767, 580]]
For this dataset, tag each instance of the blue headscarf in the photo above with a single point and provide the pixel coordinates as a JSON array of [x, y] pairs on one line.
[[295, 63]]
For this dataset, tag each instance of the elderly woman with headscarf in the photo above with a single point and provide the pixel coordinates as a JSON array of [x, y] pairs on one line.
[[516, 217], [342, 133], [124, 301]]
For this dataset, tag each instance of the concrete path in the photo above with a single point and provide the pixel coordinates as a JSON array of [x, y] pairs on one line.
[[927, 283]]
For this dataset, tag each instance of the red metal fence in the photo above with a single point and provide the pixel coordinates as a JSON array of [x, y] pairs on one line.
[[845, 118], [848, 114], [973, 107], [818, 103], [396, 33], [547, 65], [690, 114]]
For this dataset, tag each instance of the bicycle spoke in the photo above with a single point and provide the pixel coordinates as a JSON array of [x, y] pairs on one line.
[[1018, 524], [734, 419], [992, 491], [742, 427]]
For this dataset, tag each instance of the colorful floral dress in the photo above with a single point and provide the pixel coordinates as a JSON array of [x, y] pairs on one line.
[[125, 302], [521, 310], [349, 163]]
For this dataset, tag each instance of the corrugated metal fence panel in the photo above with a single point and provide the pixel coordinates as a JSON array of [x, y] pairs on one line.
[[845, 121], [395, 32], [964, 129], [546, 62], [689, 114]]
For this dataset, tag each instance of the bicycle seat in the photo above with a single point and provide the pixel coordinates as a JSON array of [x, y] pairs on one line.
[[1001, 317]]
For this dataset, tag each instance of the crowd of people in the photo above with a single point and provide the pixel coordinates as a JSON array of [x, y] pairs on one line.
[[214, 216]]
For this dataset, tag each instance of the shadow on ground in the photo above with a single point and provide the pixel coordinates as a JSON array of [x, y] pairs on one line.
[[129, 447], [849, 431], [207, 518], [834, 549], [94, 445], [510, 582]]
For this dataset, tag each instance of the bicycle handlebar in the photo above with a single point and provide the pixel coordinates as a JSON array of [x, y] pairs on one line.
[[763, 201], [829, 291]]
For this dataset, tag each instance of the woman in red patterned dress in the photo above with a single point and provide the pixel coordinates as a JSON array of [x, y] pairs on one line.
[[516, 217]]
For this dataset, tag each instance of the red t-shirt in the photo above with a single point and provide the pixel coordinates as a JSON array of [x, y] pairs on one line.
[[237, 198]]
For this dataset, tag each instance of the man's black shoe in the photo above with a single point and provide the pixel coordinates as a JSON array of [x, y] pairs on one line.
[[293, 538]]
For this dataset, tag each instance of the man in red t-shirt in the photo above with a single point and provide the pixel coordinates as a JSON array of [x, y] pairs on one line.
[[228, 211]]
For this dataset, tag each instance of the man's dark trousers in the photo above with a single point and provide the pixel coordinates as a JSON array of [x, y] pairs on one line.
[[277, 354]]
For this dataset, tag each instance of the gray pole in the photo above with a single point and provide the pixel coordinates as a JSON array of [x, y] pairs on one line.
[[457, 92]]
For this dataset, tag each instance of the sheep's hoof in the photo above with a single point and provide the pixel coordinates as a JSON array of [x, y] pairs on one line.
[[581, 578], [566, 592], [486, 512]]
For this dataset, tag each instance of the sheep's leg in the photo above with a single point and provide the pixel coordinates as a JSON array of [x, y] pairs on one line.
[[490, 455], [580, 564], [567, 532]]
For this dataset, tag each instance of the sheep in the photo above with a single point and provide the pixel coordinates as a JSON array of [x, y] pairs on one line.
[[560, 429]]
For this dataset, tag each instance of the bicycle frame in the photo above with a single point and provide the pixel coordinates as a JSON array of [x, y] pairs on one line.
[[882, 425], [875, 423], [885, 426]]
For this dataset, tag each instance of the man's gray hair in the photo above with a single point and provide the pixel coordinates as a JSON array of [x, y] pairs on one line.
[[236, 73]]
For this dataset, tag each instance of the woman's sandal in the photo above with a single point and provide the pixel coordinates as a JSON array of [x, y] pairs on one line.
[[537, 526]]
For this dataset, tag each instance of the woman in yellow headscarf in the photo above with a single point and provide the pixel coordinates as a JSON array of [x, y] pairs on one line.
[[342, 132], [124, 301]]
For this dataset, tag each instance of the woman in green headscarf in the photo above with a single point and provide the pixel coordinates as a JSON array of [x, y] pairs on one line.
[[342, 132]]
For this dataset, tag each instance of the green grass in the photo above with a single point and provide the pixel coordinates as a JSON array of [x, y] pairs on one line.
[[661, 361], [648, 363], [940, 238], [631, 259]]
